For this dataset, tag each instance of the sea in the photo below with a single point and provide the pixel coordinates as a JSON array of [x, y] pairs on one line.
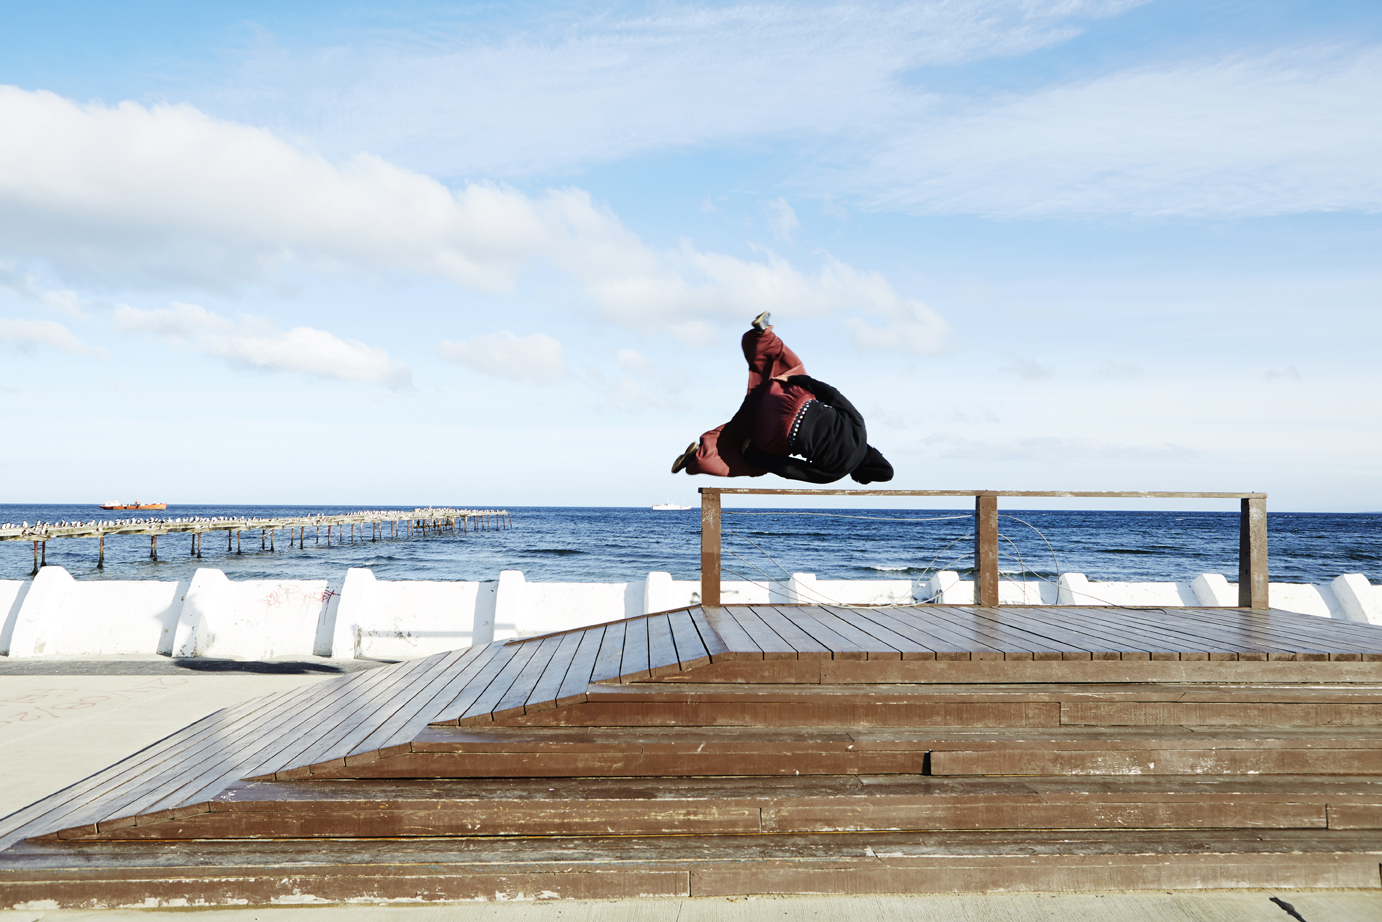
[[616, 544]]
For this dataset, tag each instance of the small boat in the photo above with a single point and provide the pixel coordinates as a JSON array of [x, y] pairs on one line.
[[134, 505], [670, 507]]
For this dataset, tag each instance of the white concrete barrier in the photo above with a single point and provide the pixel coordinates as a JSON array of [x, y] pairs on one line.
[[12, 593], [253, 619], [62, 617], [403, 619], [365, 617]]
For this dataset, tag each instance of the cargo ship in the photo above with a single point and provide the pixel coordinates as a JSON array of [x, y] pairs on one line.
[[668, 507], [134, 505]]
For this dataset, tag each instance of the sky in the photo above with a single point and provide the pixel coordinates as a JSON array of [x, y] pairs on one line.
[[502, 254]]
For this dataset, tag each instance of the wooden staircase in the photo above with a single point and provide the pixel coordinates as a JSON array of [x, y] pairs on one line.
[[684, 776]]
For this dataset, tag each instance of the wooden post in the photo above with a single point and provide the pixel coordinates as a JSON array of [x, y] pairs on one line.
[[45, 554], [1252, 553], [101, 554], [986, 550], [237, 542], [192, 548], [153, 546], [229, 535], [710, 546], [271, 540], [35, 573]]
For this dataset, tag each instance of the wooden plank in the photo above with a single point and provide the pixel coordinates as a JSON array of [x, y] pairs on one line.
[[513, 700], [735, 641], [482, 707], [918, 621], [802, 644], [253, 753], [633, 664], [92, 797], [580, 674], [547, 690], [611, 653], [418, 708], [477, 683], [192, 761], [447, 701], [915, 622], [875, 645], [662, 650], [908, 647], [691, 648]]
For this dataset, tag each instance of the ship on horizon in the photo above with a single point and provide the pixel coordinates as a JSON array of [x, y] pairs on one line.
[[667, 507], [114, 505]]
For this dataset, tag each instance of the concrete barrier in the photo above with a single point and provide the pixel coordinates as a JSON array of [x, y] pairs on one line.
[[365, 617], [254, 619]]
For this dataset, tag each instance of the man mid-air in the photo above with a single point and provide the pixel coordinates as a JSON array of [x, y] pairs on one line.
[[786, 413]]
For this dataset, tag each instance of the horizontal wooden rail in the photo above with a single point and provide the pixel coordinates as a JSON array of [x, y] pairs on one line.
[[1252, 532]]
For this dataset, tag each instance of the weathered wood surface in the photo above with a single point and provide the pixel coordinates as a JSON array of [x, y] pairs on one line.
[[750, 805], [573, 678], [106, 875]]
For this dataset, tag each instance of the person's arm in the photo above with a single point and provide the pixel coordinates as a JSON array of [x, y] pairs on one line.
[[788, 467]]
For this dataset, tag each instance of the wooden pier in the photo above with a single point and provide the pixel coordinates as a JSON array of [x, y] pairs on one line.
[[399, 523], [761, 749]]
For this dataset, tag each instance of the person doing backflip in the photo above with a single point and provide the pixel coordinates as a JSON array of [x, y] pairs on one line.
[[786, 413]]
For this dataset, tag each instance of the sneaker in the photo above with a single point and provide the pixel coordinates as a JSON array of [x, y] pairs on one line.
[[760, 323], [684, 459]]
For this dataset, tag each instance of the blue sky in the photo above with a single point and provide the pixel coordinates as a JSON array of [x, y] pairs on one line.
[[429, 252]]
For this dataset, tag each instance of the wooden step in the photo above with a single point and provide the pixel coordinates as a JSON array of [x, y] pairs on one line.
[[745, 806], [555, 752], [993, 705], [96, 875]]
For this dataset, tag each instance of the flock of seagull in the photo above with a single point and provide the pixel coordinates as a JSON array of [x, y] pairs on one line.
[[218, 522]]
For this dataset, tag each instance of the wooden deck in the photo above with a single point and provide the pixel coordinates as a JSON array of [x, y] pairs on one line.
[[771, 721]]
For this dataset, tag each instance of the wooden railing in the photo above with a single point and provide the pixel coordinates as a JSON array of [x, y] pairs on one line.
[[1252, 533]]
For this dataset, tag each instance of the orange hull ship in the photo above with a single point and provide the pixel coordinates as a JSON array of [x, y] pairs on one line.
[[134, 505]]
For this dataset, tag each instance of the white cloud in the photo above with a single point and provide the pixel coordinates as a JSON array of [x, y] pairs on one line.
[[61, 301], [253, 342], [26, 334], [782, 220], [167, 195], [536, 359], [1053, 449], [1288, 132], [565, 90], [633, 361], [909, 325]]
